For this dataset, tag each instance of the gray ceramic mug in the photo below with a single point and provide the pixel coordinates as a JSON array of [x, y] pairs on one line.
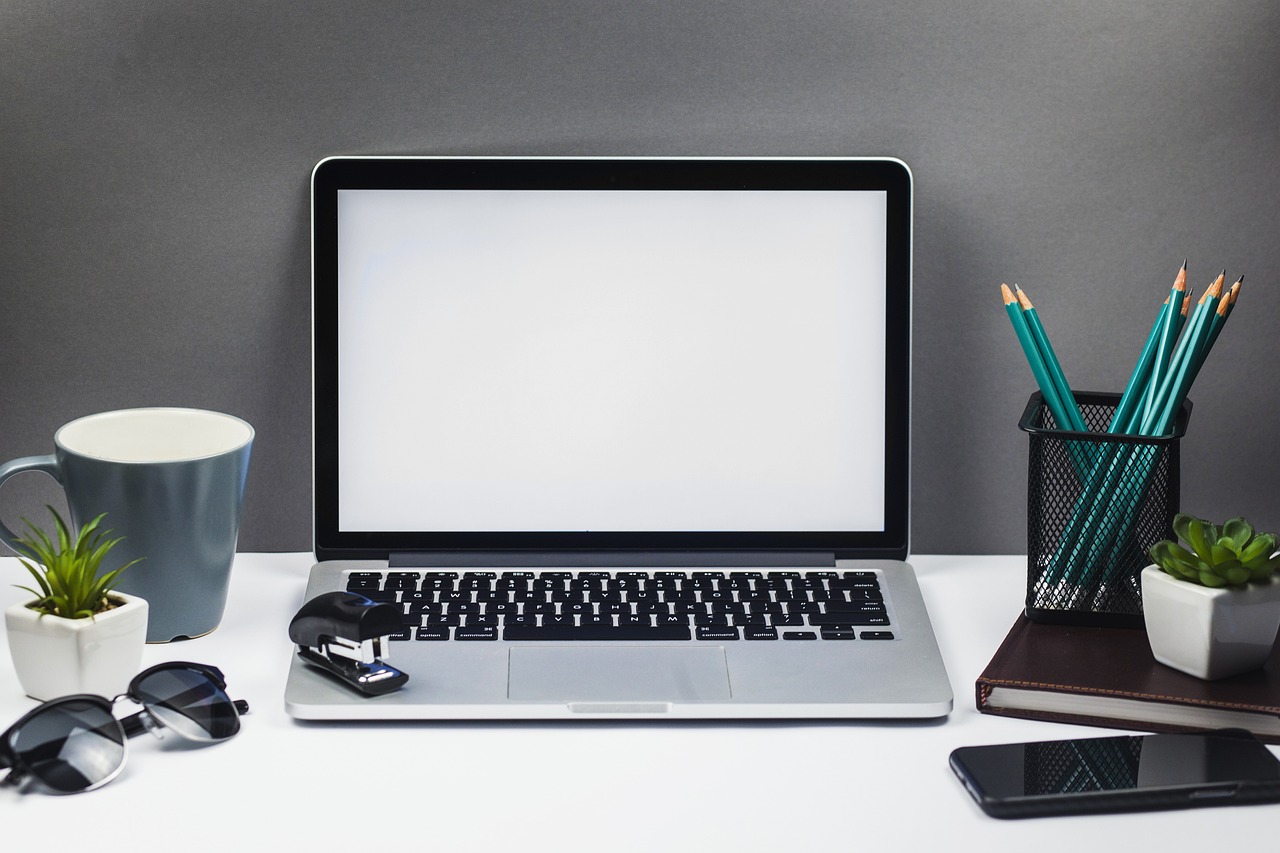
[[171, 482]]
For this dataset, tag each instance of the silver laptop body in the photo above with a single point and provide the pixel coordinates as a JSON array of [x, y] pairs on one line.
[[641, 375]]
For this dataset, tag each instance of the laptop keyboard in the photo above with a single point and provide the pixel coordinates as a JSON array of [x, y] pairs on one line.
[[631, 605]]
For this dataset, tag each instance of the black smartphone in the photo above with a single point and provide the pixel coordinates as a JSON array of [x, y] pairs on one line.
[[1126, 773]]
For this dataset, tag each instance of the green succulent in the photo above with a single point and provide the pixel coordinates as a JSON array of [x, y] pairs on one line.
[[68, 567], [1230, 554]]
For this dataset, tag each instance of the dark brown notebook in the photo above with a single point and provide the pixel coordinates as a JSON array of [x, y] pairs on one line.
[[1107, 677]]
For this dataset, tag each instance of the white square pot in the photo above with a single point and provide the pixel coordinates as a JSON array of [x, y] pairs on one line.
[[57, 657], [1209, 633]]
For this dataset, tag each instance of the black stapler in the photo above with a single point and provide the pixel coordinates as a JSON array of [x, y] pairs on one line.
[[346, 634]]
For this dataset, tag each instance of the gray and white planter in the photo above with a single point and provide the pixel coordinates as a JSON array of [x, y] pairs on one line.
[[1209, 633], [57, 657]]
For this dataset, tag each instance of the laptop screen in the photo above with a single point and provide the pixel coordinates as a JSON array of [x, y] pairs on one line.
[[587, 354]]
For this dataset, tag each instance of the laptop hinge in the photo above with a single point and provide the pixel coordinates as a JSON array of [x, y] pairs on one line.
[[543, 559]]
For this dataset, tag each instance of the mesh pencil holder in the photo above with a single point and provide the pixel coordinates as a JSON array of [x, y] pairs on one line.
[[1096, 502]]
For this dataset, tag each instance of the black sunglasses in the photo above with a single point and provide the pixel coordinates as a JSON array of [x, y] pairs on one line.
[[75, 743]]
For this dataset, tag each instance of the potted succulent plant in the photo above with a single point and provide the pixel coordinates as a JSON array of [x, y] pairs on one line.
[[78, 635], [1212, 605]]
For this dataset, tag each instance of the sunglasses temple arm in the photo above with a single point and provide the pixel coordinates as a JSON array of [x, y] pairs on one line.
[[135, 724]]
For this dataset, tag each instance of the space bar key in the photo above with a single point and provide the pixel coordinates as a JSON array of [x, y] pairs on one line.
[[596, 632]]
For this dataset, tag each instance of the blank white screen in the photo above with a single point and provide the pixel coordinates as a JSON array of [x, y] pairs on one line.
[[611, 360]]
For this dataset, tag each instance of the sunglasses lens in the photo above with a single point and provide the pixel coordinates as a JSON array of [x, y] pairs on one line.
[[186, 701], [71, 746]]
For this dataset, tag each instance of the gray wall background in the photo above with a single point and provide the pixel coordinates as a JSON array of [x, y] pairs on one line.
[[155, 156]]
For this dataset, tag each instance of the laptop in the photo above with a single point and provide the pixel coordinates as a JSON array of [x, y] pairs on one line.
[[618, 438]]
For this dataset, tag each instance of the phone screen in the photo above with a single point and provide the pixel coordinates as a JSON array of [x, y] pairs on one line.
[[1126, 773]]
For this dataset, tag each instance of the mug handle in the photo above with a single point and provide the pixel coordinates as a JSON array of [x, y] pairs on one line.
[[47, 464]]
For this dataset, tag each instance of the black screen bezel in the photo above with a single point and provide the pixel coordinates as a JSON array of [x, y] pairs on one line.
[[338, 173]]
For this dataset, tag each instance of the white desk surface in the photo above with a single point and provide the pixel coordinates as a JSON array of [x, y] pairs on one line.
[[599, 786]]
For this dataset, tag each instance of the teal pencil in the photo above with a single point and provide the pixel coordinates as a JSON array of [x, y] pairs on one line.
[[1221, 317], [1194, 361], [1167, 415], [1133, 414], [1133, 392], [1167, 401], [1168, 335], [1069, 405], [1032, 353]]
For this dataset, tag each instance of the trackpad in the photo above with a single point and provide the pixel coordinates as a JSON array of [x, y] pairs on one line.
[[612, 673]]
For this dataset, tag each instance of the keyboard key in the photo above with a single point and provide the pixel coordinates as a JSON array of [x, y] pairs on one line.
[[857, 595], [752, 632], [388, 595], [425, 607], [877, 635], [718, 633], [482, 633], [401, 583], [463, 608], [839, 632], [434, 632], [850, 585], [847, 618], [518, 633], [799, 635], [854, 607]]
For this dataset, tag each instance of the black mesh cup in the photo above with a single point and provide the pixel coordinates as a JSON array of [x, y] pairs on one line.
[[1096, 502]]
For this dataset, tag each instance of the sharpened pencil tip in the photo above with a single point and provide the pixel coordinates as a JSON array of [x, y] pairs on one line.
[[1215, 289], [1007, 294]]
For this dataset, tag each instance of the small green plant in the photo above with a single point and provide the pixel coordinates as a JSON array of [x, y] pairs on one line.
[[66, 568], [1230, 554]]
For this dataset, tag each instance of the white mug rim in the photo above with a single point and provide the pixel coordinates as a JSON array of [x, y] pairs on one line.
[[209, 414]]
